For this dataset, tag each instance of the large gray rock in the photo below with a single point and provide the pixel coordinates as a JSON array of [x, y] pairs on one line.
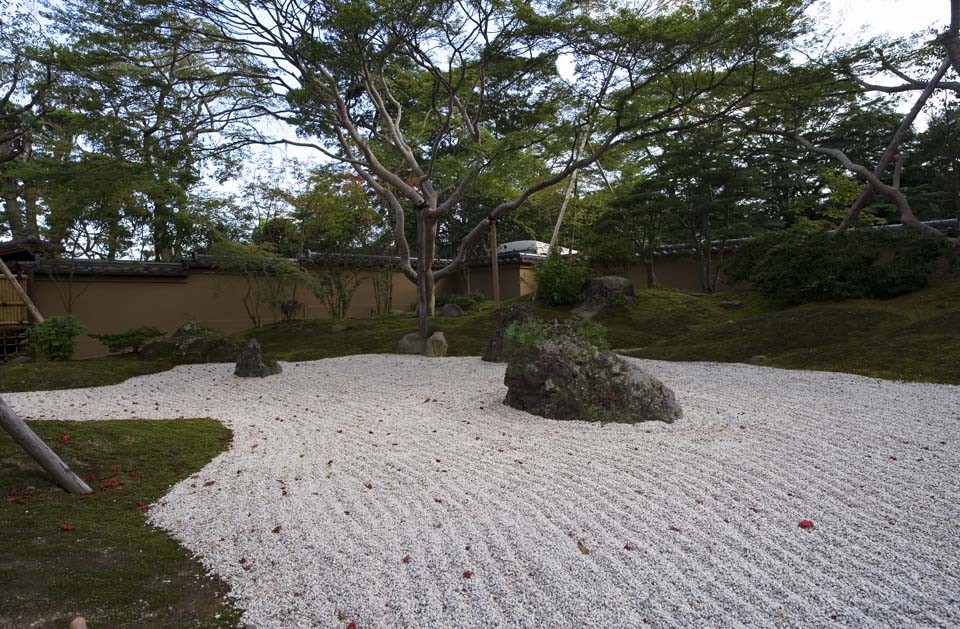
[[435, 346], [568, 378], [412, 343], [191, 344], [499, 345], [451, 310], [250, 363], [604, 291]]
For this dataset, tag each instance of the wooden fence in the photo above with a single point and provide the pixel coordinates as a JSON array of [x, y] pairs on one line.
[[12, 309]]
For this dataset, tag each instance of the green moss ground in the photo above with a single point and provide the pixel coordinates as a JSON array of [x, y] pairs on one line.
[[111, 568], [75, 374]]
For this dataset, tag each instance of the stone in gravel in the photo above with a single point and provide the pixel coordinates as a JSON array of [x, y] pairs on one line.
[[498, 346], [451, 310], [251, 364], [568, 378]]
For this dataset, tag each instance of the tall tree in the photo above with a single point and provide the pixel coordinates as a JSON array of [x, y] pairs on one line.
[[160, 104], [420, 98]]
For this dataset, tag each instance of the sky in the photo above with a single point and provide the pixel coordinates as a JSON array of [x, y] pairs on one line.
[[894, 17]]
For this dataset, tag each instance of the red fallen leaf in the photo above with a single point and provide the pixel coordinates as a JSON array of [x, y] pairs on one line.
[[243, 560], [254, 446], [893, 458], [477, 438], [806, 524], [628, 547], [177, 468], [276, 529], [64, 438], [330, 462], [438, 501], [742, 427], [467, 574], [368, 485], [675, 529], [406, 559], [10, 499], [699, 502], [352, 625], [209, 482], [143, 506], [194, 476], [301, 456], [467, 547], [637, 491], [65, 527]]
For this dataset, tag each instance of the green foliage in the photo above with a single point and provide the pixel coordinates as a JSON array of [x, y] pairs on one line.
[[802, 265], [465, 301], [532, 334], [54, 339], [132, 339], [271, 279], [560, 280], [334, 287], [112, 566]]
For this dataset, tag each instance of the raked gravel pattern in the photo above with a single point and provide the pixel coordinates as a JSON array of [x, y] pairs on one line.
[[364, 461]]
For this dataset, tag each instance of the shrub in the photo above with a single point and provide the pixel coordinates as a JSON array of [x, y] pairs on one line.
[[802, 265], [533, 333], [560, 281], [54, 339], [466, 301], [132, 339]]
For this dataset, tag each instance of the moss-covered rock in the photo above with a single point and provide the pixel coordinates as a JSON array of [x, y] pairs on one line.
[[567, 377]]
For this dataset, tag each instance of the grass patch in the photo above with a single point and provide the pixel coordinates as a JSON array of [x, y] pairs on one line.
[[299, 340], [93, 372], [905, 338], [111, 568]]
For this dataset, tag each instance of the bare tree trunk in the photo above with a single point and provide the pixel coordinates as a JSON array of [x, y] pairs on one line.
[[426, 288], [40, 452], [867, 192], [647, 257], [11, 206], [567, 194], [494, 264]]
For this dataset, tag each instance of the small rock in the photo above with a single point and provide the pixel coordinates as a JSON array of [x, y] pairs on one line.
[[251, 365], [733, 303], [451, 310], [339, 327], [436, 345], [78, 623]]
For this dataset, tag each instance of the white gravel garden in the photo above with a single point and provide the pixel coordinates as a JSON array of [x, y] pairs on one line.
[[398, 491]]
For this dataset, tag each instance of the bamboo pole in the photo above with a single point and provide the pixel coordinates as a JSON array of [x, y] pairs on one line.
[[41, 452], [31, 308]]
